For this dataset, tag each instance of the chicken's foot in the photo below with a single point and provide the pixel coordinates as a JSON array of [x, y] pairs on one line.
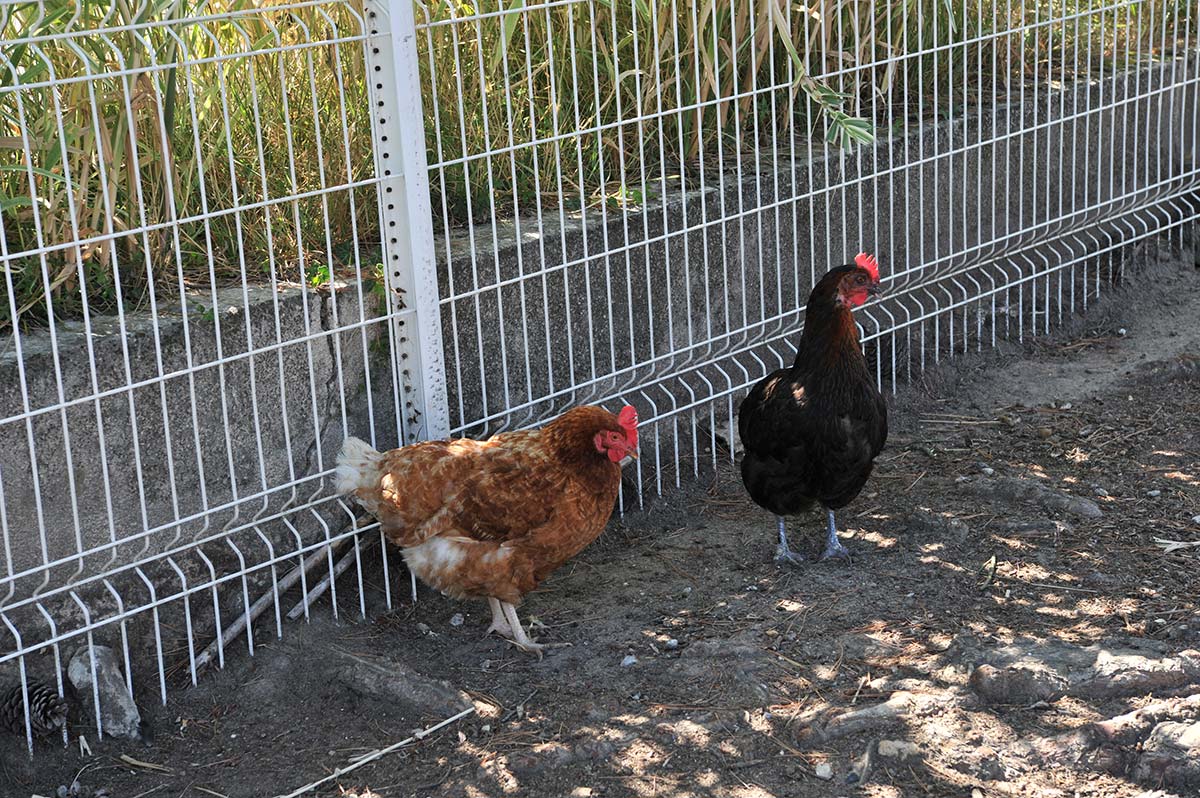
[[834, 550], [519, 638], [499, 622], [783, 552]]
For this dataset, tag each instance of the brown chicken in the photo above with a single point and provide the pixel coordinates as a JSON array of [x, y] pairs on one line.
[[492, 519]]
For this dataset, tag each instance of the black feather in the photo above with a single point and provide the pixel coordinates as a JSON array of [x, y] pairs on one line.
[[811, 432]]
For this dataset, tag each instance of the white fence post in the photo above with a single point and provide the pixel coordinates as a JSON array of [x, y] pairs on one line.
[[406, 222]]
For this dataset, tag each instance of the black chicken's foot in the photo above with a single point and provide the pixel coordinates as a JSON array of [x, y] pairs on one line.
[[785, 556], [834, 550], [837, 552], [783, 552]]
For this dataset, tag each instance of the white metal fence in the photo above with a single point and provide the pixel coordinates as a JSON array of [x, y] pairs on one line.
[[232, 235]]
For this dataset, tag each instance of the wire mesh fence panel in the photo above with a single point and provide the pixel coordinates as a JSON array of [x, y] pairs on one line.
[[195, 313], [234, 233], [633, 200]]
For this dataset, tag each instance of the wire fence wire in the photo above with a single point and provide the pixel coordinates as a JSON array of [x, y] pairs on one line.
[[233, 234]]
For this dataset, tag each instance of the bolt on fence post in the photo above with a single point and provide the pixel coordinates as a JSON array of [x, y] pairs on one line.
[[406, 220]]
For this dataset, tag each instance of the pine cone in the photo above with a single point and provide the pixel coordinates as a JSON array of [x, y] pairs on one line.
[[47, 710]]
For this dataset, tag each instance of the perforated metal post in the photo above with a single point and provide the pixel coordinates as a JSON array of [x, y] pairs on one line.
[[397, 123]]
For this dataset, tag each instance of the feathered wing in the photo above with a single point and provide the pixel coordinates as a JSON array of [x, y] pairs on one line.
[[797, 452], [493, 490], [878, 426], [777, 463]]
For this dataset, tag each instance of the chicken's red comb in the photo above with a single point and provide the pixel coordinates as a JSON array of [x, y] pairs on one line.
[[628, 419], [868, 262]]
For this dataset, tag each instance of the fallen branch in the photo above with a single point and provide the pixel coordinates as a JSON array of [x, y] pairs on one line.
[[1046, 672], [140, 765], [1049, 586], [259, 607], [1012, 490], [320, 587], [823, 725], [378, 754], [1168, 545]]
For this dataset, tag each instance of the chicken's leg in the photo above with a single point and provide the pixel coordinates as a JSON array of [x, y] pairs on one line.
[[499, 622], [519, 638], [833, 547], [784, 553]]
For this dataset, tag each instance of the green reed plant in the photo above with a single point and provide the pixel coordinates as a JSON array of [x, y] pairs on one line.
[[688, 71], [535, 104], [170, 128]]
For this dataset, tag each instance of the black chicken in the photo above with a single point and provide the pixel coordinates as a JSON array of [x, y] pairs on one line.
[[811, 432]]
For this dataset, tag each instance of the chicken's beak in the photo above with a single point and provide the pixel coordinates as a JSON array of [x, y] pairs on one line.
[[630, 456], [875, 289]]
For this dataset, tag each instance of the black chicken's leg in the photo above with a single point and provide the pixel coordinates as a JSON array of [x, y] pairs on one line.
[[783, 552], [834, 550]]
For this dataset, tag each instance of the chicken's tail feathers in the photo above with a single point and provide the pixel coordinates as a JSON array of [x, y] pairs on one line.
[[356, 466]]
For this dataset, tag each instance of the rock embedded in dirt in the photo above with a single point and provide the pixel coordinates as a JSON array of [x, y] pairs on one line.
[[119, 715], [392, 679], [736, 669], [1171, 756], [552, 755], [940, 526], [1013, 490], [823, 771], [1158, 744], [898, 749]]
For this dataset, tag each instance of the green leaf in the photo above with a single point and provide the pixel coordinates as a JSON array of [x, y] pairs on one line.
[[785, 37], [318, 276], [43, 172], [9, 203], [508, 23]]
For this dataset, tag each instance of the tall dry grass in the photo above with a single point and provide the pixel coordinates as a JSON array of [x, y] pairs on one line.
[[706, 78], [163, 147], [125, 149]]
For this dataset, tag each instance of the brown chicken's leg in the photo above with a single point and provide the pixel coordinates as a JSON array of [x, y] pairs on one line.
[[499, 622], [519, 638]]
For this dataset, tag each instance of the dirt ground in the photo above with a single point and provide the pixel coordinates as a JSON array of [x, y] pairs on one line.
[[1007, 598]]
